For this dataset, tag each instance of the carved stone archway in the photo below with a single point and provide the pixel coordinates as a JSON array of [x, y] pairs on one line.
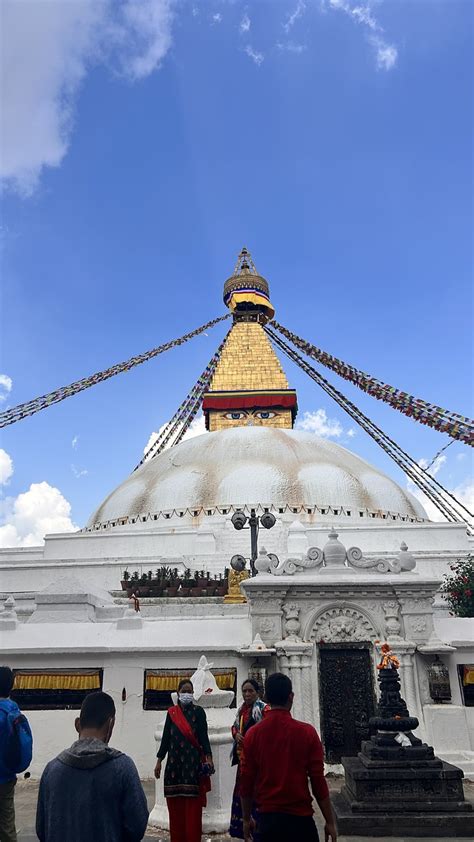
[[340, 624]]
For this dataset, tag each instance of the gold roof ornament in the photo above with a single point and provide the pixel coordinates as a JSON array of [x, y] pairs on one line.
[[246, 293]]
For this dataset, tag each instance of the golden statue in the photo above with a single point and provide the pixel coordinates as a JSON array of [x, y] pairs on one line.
[[388, 661], [234, 595]]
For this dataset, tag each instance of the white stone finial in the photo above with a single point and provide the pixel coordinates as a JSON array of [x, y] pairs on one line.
[[405, 558], [334, 552], [8, 617]]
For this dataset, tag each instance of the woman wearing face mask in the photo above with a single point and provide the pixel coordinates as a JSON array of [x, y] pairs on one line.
[[248, 714], [189, 765]]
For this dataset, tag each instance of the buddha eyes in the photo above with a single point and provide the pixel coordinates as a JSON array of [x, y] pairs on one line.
[[235, 416]]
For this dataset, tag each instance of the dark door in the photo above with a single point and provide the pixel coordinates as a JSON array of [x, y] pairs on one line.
[[346, 698]]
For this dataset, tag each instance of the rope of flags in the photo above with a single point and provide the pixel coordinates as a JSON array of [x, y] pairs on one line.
[[23, 410], [457, 426], [430, 486], [187, 410]]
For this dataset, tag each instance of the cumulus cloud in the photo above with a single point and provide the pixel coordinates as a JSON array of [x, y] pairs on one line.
[[6, 466], [26, 519], [197, 428], [6, 384], [294, 15], [217, 18], [245, 23], [318, 423], [256, 57], [75, 442], [386, 54], [48, 49]]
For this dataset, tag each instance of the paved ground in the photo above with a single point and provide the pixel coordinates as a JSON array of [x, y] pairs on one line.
[[26, 793]]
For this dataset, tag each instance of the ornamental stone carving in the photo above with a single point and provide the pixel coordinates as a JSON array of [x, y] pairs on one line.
[[392, 623], [337, 625], [292, 621]]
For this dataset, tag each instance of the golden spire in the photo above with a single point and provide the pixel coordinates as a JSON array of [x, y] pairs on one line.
[[246, 292], [249, 384]]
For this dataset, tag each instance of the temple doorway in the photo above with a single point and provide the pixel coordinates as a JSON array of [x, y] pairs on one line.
[[347, 699]]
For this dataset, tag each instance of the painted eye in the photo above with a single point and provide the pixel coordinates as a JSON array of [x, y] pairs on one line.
[[265, 415], [234, 416]]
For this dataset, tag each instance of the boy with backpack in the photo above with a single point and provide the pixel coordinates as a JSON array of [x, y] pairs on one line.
[[16, 746]]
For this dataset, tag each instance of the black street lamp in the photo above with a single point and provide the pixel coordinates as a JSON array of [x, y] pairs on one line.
[[239, 521]]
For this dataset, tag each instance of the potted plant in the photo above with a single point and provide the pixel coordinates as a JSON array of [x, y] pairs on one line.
[[202, 579], [221, 588], [124, 582], [196, 590], [185, 584]]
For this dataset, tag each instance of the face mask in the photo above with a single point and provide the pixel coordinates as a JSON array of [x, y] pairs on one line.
[[186, 698]]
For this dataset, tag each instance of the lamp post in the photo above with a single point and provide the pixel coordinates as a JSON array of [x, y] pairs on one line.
[[241, 521]]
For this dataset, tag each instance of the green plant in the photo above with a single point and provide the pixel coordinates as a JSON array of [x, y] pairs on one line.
[[126, 576], [458, 587], [135, 576]]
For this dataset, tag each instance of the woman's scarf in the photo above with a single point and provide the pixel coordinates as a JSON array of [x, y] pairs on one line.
[[178, 718]]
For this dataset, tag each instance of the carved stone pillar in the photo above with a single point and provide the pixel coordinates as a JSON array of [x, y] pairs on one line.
[[408, 679], [295, 661]]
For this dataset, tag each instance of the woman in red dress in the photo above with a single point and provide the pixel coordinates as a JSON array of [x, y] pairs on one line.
[[189, 765]]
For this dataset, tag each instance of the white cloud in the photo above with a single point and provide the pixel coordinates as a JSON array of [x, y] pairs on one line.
[[217, 18], [6, 466], [436, 466], [318, 422], [293, 17], [79, 472], [256, 57], [75, 442], [197, 428], [32, 515], [386, 54], [351, 432], [6, 384], [245, 24], [291, 47], [48, 49]]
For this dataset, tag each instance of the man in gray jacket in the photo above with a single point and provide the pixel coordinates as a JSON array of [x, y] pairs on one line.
[[90, 792]]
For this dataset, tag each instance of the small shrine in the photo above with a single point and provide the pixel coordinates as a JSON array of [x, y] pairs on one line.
[[396, 786]]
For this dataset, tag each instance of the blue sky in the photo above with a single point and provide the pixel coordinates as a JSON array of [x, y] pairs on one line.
[[145, 144]]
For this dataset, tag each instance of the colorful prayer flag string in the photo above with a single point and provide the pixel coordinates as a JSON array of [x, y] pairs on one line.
[[23, 410], [457, 426]]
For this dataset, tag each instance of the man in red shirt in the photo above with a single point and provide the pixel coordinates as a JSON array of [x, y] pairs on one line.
[[279, 755]]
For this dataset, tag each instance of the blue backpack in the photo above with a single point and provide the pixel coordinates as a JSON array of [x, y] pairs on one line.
[[18, 745]]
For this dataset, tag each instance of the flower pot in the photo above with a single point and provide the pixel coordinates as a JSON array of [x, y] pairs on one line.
[[184, 591], [125, 584], [172, 591], [211, 590], [202, 582], [196, 591], [221, 591]]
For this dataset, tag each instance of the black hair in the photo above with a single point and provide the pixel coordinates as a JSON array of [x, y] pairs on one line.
[[278, 688], [254, 683], [6, 681], [96, 709], [183, 682]]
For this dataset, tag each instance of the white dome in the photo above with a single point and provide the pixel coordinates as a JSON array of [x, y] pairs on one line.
[[251, 466]]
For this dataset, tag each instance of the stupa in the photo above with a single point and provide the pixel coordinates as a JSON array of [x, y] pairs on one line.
[[351, 558]]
